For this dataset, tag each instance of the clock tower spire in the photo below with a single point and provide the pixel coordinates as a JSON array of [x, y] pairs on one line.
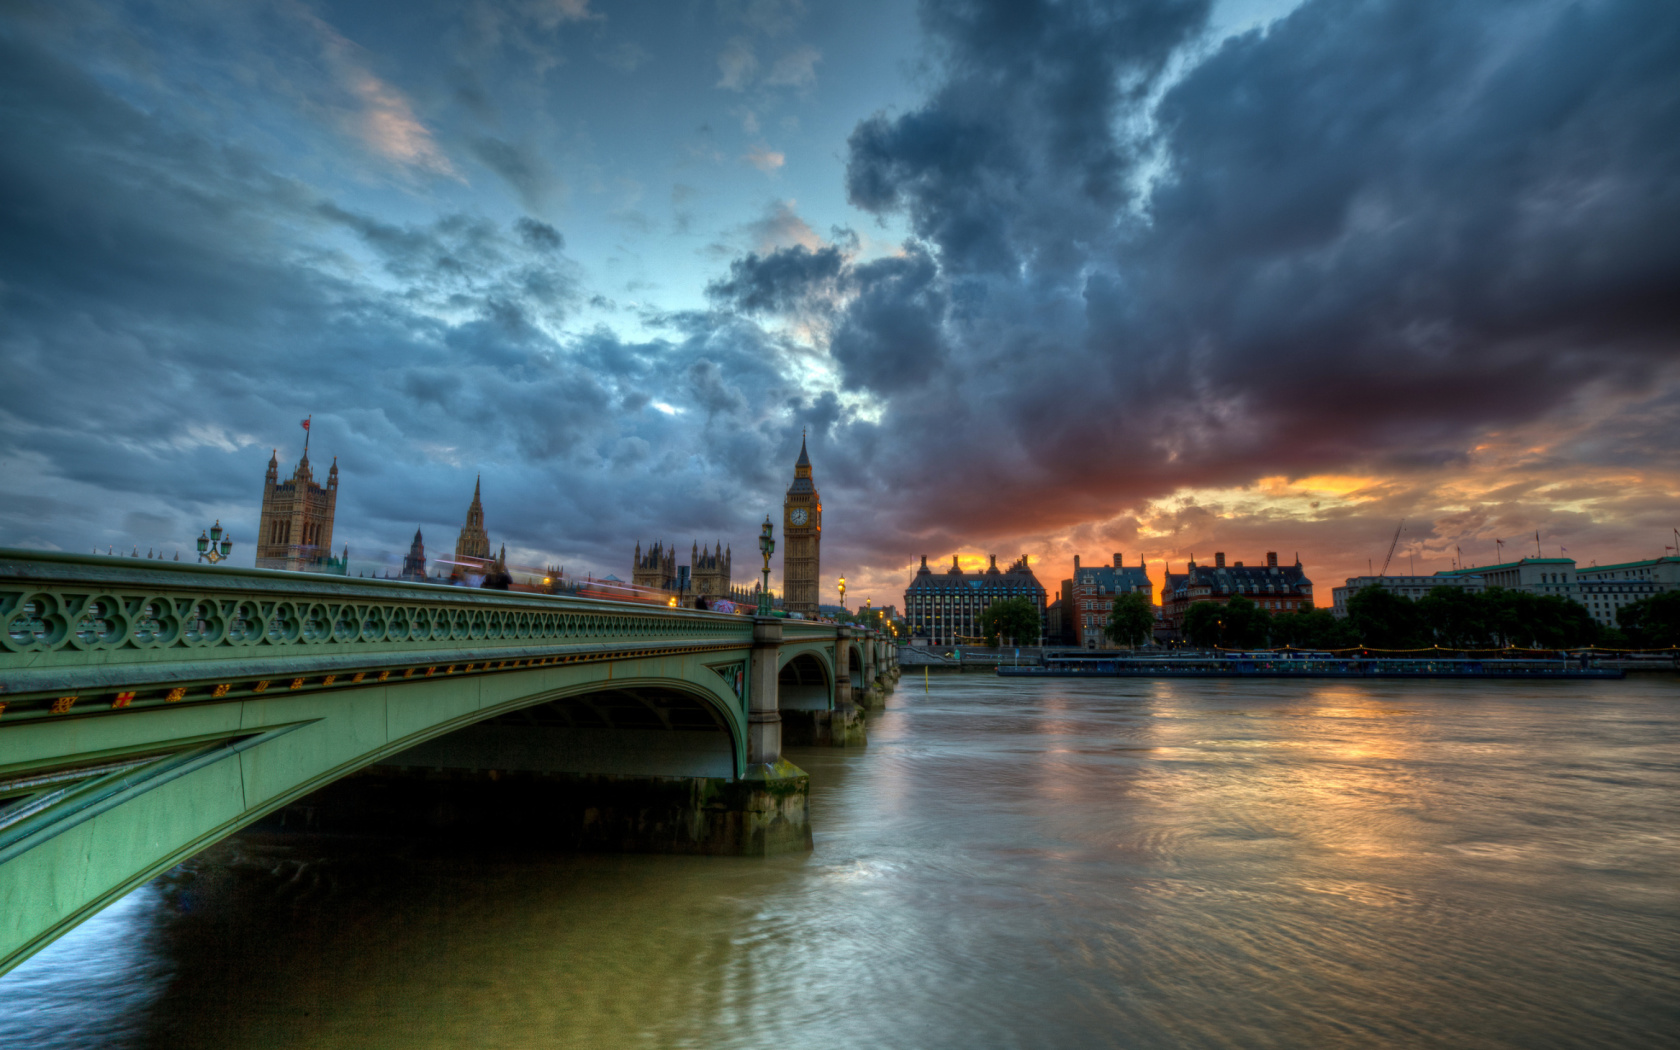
[[801, 538]]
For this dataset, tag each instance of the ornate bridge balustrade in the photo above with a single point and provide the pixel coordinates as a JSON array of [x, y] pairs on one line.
[[149, 709], [175, 633]]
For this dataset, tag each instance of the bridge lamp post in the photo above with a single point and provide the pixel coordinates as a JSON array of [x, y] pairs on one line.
[[842, 593], [208, 545], [767, 544]]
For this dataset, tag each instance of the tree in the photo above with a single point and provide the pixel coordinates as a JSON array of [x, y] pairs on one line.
[[1517, 618], [1131, 620], [1382, 619], [1555, 622], [1309, 628], [1236, 624], [1457, 618], [1013, 618], [1654, 622]]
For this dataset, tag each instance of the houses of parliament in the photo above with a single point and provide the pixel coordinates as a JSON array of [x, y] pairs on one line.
[[295, 532], [707, 575]]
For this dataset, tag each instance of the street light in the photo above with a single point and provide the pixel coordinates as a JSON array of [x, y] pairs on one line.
[[208, 545], [767, 544], [842, 593]]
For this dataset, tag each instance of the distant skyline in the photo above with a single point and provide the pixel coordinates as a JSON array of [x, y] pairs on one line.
[[1165, 278]]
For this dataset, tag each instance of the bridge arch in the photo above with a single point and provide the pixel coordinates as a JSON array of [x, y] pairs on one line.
[[187, 776], [805, 682], [635, 726], [854, 665]]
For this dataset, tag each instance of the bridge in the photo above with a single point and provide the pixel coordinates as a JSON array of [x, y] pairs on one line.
[[149, 709]]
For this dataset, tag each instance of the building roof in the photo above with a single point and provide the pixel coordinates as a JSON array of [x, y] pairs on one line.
[[991, 579], [1128, 577], [1241, 579], [1409, 579], [1478, 570], [802, 471], [1647, 563]]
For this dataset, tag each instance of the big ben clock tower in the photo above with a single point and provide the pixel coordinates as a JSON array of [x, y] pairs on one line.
[[801, 539]]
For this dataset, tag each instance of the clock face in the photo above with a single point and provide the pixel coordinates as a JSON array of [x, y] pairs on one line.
[[799, 516]]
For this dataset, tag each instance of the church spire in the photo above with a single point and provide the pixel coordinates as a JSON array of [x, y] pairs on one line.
[[473, 546]]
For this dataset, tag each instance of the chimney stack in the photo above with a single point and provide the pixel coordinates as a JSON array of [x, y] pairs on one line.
[[1076, 563], [1219, 559], [1117, 561], [1271, 559]]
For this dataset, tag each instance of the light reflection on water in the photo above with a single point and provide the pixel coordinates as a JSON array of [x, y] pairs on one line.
[[1064, 863]]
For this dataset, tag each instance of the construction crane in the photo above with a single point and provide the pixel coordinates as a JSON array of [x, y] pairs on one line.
[[1395, 542]]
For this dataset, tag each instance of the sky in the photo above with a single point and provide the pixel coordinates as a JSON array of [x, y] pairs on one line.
[[1159, 278]]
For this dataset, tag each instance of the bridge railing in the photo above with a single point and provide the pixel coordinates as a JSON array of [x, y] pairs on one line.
[[70, 624]]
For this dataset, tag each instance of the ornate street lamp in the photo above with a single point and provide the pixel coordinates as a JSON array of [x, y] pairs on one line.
[[767, 544], [842, 594], [213, 548]]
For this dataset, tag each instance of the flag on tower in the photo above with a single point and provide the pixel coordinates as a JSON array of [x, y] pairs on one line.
[[305, 423]]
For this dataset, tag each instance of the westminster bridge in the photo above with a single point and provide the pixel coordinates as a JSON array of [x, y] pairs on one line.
[[148, 710]]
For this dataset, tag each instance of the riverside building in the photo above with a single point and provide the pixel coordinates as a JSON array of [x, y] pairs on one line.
[[1604, 589], [1601, 589], [945, 607], [1275, 588], [1555, 576], [1413, 587], [1088, 599]]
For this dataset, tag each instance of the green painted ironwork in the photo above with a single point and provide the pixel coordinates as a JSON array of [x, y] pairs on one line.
[[147, 710]]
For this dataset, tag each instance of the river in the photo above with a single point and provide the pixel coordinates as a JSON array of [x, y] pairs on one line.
[[1063, 863]]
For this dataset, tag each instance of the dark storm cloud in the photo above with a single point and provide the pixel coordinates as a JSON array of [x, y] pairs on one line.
[[1364, 235], [540, 235], [780, 281], [170, 307], [891, 336], [1015, 159]]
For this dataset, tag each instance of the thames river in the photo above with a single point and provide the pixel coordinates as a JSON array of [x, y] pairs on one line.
[[1056, 863]]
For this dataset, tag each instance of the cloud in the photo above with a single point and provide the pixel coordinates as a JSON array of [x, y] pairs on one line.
[[1366, 239], [736, 64], [550, 13], [780, 282], [522, 167], [711, 392], [1159, 292], [891, 336], [766, 17], [797, 68], [780, 227], [385, 119], [206, 303], [626, 56], [764, 158]]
